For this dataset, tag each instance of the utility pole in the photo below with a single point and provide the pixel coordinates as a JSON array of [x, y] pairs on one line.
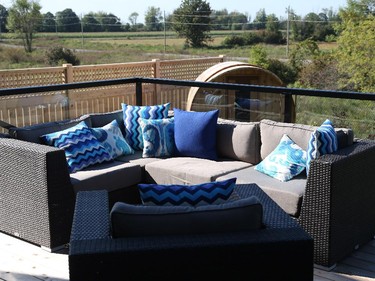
[[165, 36], [82, 30], [287, 31]]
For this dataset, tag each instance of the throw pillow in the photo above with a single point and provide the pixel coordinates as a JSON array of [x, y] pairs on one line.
[[132, 114], [286, 161], [81, 147], [322, 141], [158, 137], [112, 139], [192, 195], [195, 133]]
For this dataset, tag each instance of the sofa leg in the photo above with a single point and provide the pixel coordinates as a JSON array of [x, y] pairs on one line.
[[55, 249], [325, 268]]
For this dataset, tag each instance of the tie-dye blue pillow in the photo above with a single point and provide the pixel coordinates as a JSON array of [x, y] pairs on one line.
[[132, 114], [323, 141], [113, 140], [81, 147], [158, 137], [286, 161]]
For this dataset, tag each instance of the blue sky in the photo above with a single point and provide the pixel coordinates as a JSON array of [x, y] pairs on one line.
[[123, 8]]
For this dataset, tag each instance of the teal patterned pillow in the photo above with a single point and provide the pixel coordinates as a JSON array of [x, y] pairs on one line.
[[286, 161], [81, 147], [323, 141], [112, 139], [158, 137], [132, 114]]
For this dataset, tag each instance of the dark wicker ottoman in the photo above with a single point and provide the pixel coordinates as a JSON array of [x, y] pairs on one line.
[[281, 250]]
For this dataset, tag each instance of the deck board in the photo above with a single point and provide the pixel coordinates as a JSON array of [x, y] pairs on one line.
[[22, 261]]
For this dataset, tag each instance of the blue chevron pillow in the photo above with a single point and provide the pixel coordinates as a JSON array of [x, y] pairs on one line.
[[158, 137], [132, 114], [322, 141], [216, 192], [81, 147], [112, 139]]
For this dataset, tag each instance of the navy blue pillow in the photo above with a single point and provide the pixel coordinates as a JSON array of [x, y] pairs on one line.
[[195, 133]]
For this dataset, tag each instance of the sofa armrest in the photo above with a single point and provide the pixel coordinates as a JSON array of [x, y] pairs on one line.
[[36, 192], [338, 205], [94, 255], [91, 216]]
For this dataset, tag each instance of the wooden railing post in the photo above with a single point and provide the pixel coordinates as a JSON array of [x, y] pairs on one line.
[[68, 79], [156, 98]]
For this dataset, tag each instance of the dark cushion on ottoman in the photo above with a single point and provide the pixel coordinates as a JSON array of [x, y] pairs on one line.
[[140, 220]]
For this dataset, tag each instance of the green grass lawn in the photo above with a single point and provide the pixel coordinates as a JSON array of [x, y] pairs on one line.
[[119, 47]]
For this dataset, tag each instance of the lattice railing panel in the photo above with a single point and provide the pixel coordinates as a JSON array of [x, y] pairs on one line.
[[188, 69], [32, 77], [112, 71]]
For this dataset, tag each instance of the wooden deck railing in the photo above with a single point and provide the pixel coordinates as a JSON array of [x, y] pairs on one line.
[[28, 109]]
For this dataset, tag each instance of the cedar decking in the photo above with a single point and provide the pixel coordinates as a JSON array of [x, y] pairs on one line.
[[22, 261]]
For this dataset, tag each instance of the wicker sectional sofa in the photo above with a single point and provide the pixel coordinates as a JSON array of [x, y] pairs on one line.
[[334, 203]]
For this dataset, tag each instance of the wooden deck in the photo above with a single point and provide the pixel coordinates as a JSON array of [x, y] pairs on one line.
[[21, 261]]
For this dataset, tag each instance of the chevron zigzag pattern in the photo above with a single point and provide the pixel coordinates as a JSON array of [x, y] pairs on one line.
[[323, 141], [190, 195], [132, 115], [81, 147]]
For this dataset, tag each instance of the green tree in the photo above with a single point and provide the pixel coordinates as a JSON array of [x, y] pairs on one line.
[[91, 24], [133, 20], [286, 72], [356, 52], [238, 21], [260, 19], [3, 18], [153, 19], [109, 22], [24, 19], [220, 20], [192, 21], [48, 23], [68, 21]]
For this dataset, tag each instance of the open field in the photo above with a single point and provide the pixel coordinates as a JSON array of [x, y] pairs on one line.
[[118, 47]]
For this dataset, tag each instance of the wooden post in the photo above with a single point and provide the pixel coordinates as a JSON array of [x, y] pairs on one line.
[[156, 97], [68, 79]]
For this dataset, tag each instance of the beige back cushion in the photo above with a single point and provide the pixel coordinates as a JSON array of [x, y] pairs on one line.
[[272, 131], [238, 140]]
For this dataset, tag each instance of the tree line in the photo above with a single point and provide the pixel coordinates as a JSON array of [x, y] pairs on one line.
[[318, 25]]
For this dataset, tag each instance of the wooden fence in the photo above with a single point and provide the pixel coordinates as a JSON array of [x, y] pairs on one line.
[[55, 106]]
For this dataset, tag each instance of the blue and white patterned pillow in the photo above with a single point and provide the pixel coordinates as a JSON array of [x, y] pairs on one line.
[[322, 141], [286, 161], [132, 114], [81, 147], [158, 137], [112, 139], [190, 195]]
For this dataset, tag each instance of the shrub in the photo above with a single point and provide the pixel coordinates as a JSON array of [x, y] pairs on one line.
[[234, 40], [58, 55]]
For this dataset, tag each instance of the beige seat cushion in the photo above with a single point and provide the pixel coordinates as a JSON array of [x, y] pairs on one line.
[[288, 195], [110, 176], [189, 170]]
